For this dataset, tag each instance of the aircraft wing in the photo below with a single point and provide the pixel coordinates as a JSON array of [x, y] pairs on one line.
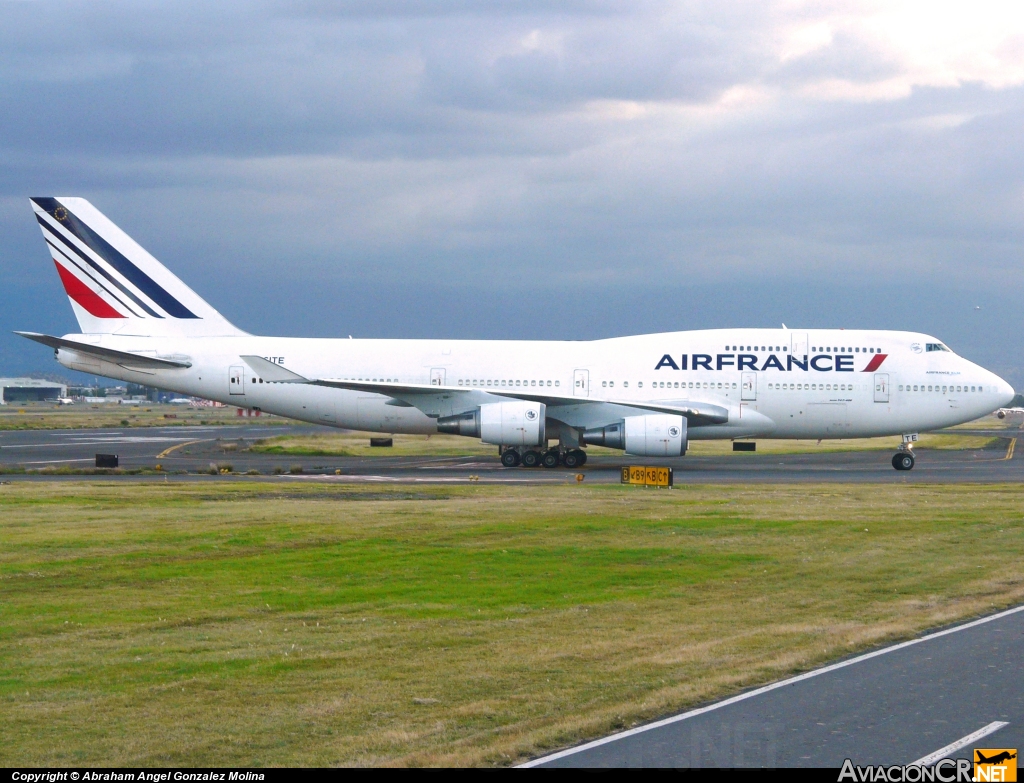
[[411, 393], [124, 358]]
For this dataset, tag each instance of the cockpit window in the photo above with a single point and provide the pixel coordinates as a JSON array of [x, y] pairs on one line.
[[936, 347]]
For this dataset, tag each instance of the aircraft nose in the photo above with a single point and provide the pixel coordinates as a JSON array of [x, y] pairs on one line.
[[1005, 391]]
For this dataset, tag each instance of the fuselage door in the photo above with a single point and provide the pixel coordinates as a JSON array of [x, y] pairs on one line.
[[881, 387], [236, 380], [437, 376], [581, 383], [748, 386]]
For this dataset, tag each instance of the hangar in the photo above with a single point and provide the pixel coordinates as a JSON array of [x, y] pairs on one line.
[[30, 390]]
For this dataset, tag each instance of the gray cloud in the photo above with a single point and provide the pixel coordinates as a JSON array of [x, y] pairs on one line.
[[287, 158]]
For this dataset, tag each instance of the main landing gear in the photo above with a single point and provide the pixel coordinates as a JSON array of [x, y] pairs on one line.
[[514, 456]]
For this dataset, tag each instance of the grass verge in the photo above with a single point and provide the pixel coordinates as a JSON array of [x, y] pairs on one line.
[[46, 416], [257, 624]]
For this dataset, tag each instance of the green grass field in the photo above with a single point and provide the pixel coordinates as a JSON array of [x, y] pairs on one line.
[[222, 624]]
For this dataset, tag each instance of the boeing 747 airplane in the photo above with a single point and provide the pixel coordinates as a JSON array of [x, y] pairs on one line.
[[647, 394]]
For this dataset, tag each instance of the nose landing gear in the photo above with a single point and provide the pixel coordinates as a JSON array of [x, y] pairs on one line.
[[904, 460]]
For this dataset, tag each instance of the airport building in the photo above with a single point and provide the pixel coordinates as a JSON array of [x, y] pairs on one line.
[[30, 390]]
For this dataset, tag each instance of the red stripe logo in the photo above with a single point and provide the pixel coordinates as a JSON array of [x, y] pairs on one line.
[[85, 296], [876, 362]]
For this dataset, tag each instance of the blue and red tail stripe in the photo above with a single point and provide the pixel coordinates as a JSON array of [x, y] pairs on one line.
[[85, 296], [114, 258], [69, 255]]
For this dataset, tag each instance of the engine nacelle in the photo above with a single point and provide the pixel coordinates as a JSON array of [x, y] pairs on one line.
[[501, 423], [654, 435]]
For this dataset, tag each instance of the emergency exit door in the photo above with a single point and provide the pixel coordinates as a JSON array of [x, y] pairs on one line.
[[748, 386], [236, 380], [581, 383], [437, 376], [881, 387]]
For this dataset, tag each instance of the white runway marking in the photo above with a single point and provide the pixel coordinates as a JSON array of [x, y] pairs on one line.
[[767, 688], [953, 747]]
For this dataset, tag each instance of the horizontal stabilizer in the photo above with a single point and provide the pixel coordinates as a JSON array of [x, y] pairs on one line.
[[271, 372], [123, 358]]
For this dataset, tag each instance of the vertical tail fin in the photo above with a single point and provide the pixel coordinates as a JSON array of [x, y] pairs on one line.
[[114, 285]]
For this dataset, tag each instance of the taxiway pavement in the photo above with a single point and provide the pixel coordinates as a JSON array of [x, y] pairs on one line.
[[893, 706], [194, 449]]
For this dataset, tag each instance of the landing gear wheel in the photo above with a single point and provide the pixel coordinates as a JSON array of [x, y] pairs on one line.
[[574, 458], [550, 459], [903, 461], [531, 459], [510, 458]]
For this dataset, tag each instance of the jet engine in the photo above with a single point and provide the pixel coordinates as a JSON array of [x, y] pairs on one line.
[[500, 423], [654, 435]]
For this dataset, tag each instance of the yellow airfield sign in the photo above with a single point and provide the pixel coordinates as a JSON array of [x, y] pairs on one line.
[[647, 476]]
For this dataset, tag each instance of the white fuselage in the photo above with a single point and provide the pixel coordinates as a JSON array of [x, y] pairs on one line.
[[775, 383]]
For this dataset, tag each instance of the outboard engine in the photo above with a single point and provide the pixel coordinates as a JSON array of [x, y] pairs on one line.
[[654, 435], [501, 423]]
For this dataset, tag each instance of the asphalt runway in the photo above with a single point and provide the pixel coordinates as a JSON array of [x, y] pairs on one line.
[[894, 706], [194, 449]]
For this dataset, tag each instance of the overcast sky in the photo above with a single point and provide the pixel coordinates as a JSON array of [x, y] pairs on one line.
[[530, 169]]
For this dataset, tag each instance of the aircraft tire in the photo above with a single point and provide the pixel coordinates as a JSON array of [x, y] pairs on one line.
[[583, 457], [903, 461], [510, 458], [531, 459], [550, 459], [571, 459]]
